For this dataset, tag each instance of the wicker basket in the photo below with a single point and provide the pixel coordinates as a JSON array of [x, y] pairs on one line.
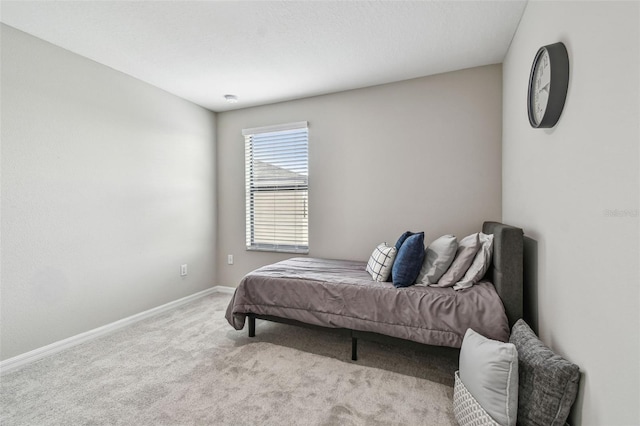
[[467, 410]]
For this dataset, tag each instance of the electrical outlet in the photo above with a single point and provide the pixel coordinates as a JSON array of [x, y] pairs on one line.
[[183, 270], [230, 259]]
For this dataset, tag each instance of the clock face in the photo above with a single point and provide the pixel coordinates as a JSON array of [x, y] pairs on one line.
[[541, 85]]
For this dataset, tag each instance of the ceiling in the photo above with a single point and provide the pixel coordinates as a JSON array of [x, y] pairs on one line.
[[270, 51]]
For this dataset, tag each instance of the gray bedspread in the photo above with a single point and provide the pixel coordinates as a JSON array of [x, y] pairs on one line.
[[341, 294]]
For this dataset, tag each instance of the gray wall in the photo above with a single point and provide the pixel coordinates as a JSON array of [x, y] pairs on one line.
[[422, 154], [562, 186], [108, 185]]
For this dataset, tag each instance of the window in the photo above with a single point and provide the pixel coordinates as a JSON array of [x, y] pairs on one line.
[[277, 189]]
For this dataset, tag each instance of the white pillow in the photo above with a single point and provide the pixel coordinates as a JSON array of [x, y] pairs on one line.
[[480, 264], [381, 262], [489, 371]]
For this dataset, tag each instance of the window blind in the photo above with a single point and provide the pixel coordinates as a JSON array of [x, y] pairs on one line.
[[277, 189]]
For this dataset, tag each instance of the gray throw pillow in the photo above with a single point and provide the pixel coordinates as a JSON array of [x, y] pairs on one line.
[[489, 371], [548, 382], [438, 257], [480, 264], [465, 254]]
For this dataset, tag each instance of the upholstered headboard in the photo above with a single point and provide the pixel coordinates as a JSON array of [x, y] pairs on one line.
[[506, 269]]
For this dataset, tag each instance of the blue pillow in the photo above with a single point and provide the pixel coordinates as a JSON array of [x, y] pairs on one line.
[[399, 243], [408, 261], [402, 239]]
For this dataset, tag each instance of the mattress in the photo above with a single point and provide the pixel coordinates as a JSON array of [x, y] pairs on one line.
[[341, 294]]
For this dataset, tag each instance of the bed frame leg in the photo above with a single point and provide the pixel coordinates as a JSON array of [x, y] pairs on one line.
[[354, 348], [252, 326]]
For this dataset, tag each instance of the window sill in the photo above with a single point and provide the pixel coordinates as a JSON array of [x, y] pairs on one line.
[[280, 250]]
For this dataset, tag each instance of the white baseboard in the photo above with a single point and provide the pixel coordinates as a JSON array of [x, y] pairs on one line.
[[225, 289], [37, 354]]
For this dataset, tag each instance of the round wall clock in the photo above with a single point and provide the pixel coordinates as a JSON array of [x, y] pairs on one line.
[[548, 83]]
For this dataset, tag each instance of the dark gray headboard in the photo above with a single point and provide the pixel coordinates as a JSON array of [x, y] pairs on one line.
[[506, 269]]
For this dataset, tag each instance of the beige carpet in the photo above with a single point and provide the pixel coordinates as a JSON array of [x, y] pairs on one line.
[[189, 367]]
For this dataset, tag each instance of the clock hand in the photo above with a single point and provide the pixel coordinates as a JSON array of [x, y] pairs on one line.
[[545, 87]]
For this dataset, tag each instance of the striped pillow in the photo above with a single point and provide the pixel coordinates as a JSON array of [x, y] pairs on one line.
[[381, 262]]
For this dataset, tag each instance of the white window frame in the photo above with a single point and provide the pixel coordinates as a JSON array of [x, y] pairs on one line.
[[277, 188]]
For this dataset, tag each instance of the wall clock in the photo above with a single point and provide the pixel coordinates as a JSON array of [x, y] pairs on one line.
[[548, 83]]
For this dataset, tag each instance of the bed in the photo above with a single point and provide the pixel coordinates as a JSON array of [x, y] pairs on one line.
[[340, 294]]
